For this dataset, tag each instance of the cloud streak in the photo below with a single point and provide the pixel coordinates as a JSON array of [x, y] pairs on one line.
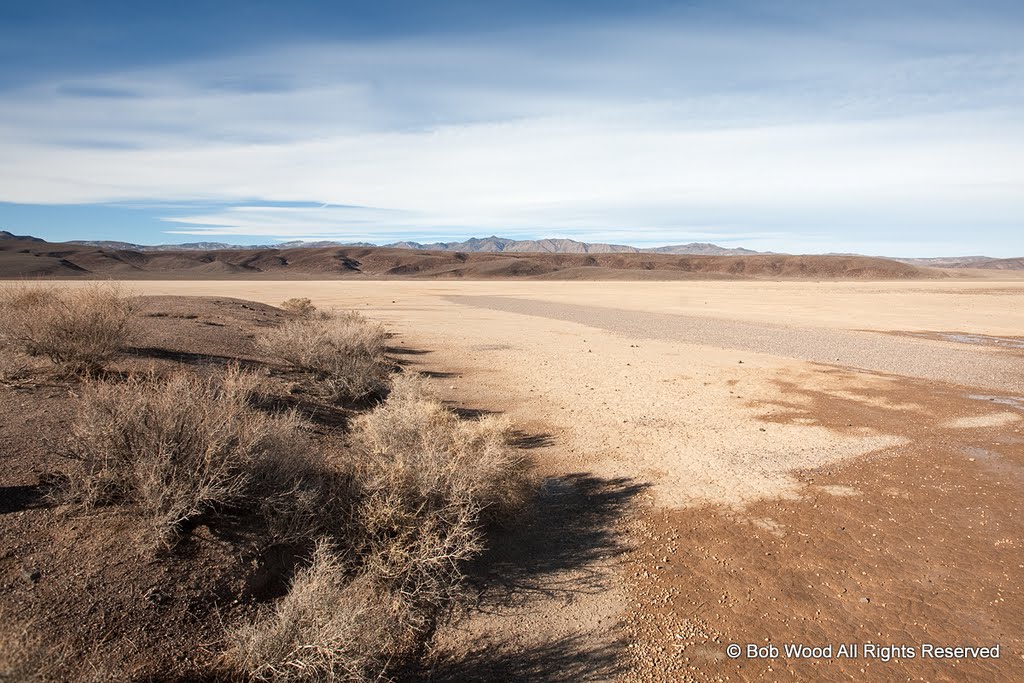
[[638, 129]]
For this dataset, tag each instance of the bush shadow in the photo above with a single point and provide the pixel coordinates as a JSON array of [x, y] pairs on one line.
[[21, 498], [311, 410], [562, 548], [566, 549], [405, 351], [561, 660], [470, 413], [528, 441], [191, 358], [434, 374]]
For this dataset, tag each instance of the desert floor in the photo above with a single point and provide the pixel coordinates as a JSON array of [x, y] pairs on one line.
[[734, 462]]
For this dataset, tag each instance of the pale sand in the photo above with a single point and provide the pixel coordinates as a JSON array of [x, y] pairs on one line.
[[982, 421], [662, 380]]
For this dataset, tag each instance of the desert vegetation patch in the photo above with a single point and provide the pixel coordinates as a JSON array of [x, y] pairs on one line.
[[78, 330], [297, 510]]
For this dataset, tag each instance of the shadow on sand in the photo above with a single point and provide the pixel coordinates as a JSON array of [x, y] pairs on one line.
[[191, 358], [564, 546], [21, 498], [563, 660], [565, 550]]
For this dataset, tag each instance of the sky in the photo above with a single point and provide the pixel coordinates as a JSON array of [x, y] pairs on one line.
[[890, 128]]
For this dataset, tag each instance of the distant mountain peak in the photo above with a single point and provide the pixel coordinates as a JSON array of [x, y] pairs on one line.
[[4, 235], [563, 245]]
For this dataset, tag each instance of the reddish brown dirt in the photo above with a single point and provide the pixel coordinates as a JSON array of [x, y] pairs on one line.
[[84, 597], [920, 544], [81, 596]]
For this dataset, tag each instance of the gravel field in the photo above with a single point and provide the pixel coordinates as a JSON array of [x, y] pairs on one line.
[[964, 364]]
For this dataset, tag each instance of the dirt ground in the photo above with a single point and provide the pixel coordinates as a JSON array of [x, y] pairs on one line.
[[731, 462], [82, 596]]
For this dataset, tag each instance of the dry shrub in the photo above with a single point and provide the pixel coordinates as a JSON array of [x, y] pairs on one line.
[[302, 494], [423, 484], [16, 367], [415, 445], [416, 556], [300, 305], [327, 628], [431, 482], [174, 447], [344, 353], [78, 329]]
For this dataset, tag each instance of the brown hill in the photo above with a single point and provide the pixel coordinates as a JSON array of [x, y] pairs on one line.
[[29, 258], [985, 262], [1003, 264], [948, 261]]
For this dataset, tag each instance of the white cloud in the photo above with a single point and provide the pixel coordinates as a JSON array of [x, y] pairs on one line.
[[637, 130], [501, 171]]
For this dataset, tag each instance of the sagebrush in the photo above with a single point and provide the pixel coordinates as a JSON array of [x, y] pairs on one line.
[[78, 329], [424, 485], [414, 444], [329, 627], [300, 305], [343, 353], [175, 446]]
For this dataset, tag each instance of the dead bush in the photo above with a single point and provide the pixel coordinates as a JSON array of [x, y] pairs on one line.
[[302, 494], [16, 367], [175, 447], [343, 353], [416, 556], [431, 482], [78, 329], [415, 445], [422, 484], [300, 305], [327, 628]]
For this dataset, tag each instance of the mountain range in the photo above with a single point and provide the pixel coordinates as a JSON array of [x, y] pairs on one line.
[[29, 257], [503, 245], [473, 245]]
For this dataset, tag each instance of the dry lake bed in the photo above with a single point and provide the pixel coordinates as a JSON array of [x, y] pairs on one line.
[[751, 463]]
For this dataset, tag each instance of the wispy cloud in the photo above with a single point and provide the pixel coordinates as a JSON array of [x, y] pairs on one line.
[[648, 130]]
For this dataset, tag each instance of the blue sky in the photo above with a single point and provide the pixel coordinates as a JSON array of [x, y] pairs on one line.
[[883, 128]]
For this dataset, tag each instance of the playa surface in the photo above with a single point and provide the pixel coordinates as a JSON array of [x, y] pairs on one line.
[[732, 462]]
